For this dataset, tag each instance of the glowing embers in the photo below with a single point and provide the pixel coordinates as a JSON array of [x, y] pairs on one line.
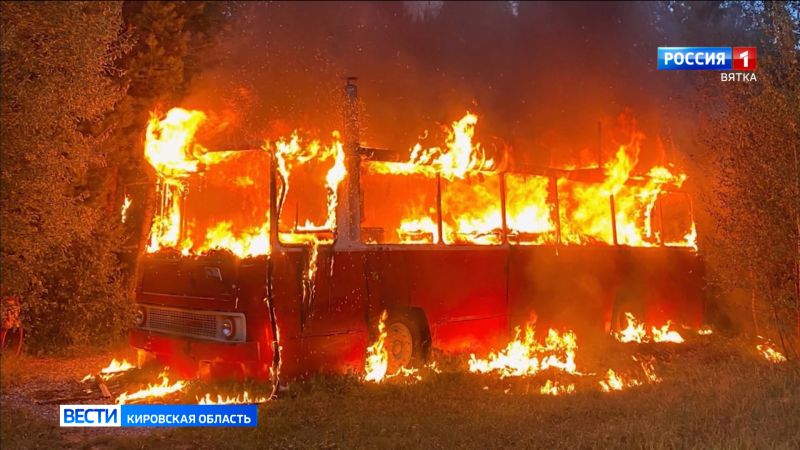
[[767, 351], [162, 389], [526, 356], [636, 332]]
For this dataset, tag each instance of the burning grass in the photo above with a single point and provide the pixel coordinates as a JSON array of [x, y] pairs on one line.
[[712, 393]]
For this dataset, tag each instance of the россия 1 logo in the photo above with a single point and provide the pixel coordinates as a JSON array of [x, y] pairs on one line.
[[740, 59]]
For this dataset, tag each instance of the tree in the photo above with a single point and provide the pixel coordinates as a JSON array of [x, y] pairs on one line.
[[174, 41], [754, 132], [57, 80]]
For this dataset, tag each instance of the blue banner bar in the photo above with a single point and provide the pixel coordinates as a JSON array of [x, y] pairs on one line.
[[189, 415], [695, 58]]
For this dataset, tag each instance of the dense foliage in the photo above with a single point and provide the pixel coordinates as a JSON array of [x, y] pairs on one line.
[[78, 80]]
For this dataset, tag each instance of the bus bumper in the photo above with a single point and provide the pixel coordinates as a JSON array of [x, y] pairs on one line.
[[193, 357]]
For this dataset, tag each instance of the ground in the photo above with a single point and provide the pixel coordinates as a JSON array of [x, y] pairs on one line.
[[714, 392]]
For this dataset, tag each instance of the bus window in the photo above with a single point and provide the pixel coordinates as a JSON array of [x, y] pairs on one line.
[[528, 213], [227, 207], [305, 212], [399, 209], [585, 213], [471, 210], [637, 224], [675, 214]]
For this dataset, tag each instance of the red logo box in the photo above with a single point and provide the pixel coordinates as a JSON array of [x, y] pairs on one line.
[[744, 58]]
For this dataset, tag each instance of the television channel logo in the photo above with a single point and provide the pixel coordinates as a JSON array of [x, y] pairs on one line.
[[707, 58]]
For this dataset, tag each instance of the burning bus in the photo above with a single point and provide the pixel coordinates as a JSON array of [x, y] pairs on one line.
[[447, 247]]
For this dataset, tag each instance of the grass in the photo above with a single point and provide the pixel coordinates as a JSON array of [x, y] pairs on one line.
[[712, 395]]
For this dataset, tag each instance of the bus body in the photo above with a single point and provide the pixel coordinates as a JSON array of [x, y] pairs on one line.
[[225, 315]]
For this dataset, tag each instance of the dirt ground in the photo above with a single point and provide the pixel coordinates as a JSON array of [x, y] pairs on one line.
[[714, 392]]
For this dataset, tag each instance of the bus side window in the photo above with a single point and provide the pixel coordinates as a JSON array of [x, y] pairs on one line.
[[399, 209], [529, 214], [471, 210], [675, 212]]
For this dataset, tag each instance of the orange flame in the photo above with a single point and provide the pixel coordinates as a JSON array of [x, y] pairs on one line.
[[471, 198], [113, 369], [458, 159], [555, 389], [585, 209], [664, 334], [153, 390], [292, 153], [125, 206], [171, 149], [615, 382], [240, 399], [635, 332], [376, 365], [377, 362], [769, 353], [526, 356], [250, 242], [117, 366]]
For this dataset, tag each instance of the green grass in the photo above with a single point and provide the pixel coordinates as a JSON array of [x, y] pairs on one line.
[[718, 395]]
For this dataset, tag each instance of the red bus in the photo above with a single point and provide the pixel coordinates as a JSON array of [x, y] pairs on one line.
[[308, 298]]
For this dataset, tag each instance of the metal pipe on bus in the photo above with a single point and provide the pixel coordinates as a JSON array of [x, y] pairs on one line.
[[613, 218], [439, 226], [503, 221], [348, 214]]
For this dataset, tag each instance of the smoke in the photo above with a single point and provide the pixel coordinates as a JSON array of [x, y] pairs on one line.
[[540, 76], [421, 11]]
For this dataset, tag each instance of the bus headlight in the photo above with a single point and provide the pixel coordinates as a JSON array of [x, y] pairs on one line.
[[139, 316], [228, 328]]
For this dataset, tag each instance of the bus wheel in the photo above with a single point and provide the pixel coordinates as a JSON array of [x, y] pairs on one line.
[[403, 343]]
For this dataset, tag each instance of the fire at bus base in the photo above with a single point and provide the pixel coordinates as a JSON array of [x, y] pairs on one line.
[[301, 255]]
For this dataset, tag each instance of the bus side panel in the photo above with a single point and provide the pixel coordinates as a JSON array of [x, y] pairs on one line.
[[569, 290], [387, 281], [288, 270], [251, 295], [675, 288], [588, 289], [463, 294], [335, 331]]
